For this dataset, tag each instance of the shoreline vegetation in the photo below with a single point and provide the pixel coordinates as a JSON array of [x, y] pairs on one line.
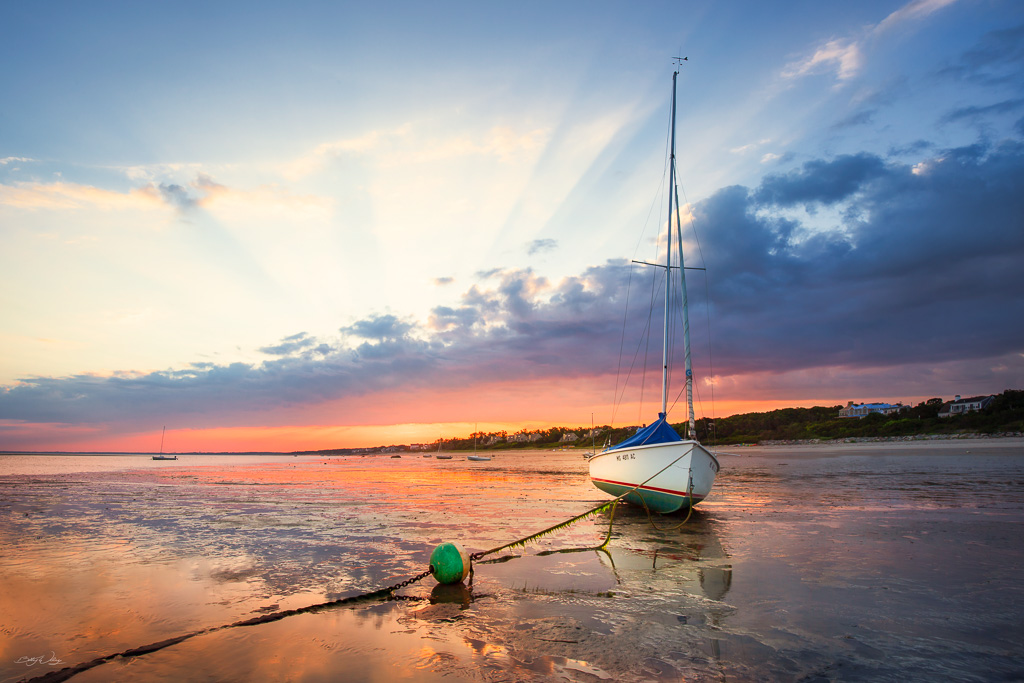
[[1004, 418], [817, 425]]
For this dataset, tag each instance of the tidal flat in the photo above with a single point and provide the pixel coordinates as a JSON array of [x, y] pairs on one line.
[[856, 562]]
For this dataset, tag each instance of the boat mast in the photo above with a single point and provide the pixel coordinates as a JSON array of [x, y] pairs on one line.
[[162, 434], [682, 281], [692, 432], [668, 255]]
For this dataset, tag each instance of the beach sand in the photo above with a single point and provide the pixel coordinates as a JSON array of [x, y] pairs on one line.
[[829, 562]]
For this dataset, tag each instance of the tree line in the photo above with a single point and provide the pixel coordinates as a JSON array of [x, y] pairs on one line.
[[1005, 414]]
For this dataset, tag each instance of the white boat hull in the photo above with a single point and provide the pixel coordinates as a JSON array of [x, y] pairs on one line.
[[685, 472]]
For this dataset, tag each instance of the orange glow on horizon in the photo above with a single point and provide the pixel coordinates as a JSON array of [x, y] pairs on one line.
[[366, 422], [289, 438]]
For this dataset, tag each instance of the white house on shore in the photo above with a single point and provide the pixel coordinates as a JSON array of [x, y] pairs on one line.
[[959, 406], [864, 409]]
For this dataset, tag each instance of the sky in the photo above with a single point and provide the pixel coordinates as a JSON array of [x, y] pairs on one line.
[[328, 225]]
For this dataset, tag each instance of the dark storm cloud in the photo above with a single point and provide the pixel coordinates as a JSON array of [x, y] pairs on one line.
[[922, 265], [825, 182], [925, 269]]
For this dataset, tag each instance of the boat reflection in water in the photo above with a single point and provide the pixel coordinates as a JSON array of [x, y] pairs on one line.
[[688, 557]]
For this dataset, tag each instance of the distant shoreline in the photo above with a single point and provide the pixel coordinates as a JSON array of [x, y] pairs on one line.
[[147, 453], [885, 439], [387, 450]]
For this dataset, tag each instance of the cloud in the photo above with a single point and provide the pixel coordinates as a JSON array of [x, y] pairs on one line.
[[540, 246], [290, 345], [913, 148], [196, 194], [750, 147], [824, 182], [845, 57], [996, 59], [772, 157], [407, 144], [921, 269], [863, 117], [74, 196], [912, 11], [922, 249], [177, 196], [975, 113], [64, 196], [379, 328], [842, 56]]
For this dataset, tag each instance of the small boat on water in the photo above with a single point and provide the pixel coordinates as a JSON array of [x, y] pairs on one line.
[[667, 471], [475, 457], [161, 456], [444, 457]]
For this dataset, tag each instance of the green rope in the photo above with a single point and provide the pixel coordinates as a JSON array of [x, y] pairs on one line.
[[689, 511], [521, 543]]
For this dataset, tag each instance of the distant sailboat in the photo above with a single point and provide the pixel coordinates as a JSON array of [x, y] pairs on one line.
[[475, 457], [162, 456]]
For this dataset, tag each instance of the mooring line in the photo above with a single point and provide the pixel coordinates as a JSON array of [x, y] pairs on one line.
[[689, 510], [67, 672]]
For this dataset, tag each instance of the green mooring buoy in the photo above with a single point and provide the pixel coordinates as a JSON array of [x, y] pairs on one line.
[[449, 563]]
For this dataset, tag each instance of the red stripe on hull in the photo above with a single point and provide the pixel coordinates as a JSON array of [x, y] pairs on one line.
[[683, 494]]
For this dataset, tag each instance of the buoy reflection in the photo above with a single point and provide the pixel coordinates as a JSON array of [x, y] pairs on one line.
[[456, 594]]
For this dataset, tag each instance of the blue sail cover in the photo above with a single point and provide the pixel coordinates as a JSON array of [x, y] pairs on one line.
[[658, 431]]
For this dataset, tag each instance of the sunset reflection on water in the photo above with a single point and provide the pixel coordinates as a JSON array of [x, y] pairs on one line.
[[108, 560], [876, 563]]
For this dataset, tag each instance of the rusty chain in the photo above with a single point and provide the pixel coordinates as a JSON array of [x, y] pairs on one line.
[[403, 584]]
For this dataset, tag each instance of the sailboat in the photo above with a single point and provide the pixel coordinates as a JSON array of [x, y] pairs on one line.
[[475, 457], [441, 456], [162, 456], [656, 467]]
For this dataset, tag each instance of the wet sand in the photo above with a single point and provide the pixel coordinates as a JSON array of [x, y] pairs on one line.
[[852, 562]]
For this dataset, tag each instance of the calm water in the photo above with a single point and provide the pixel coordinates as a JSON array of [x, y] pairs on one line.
[[859, 563]]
